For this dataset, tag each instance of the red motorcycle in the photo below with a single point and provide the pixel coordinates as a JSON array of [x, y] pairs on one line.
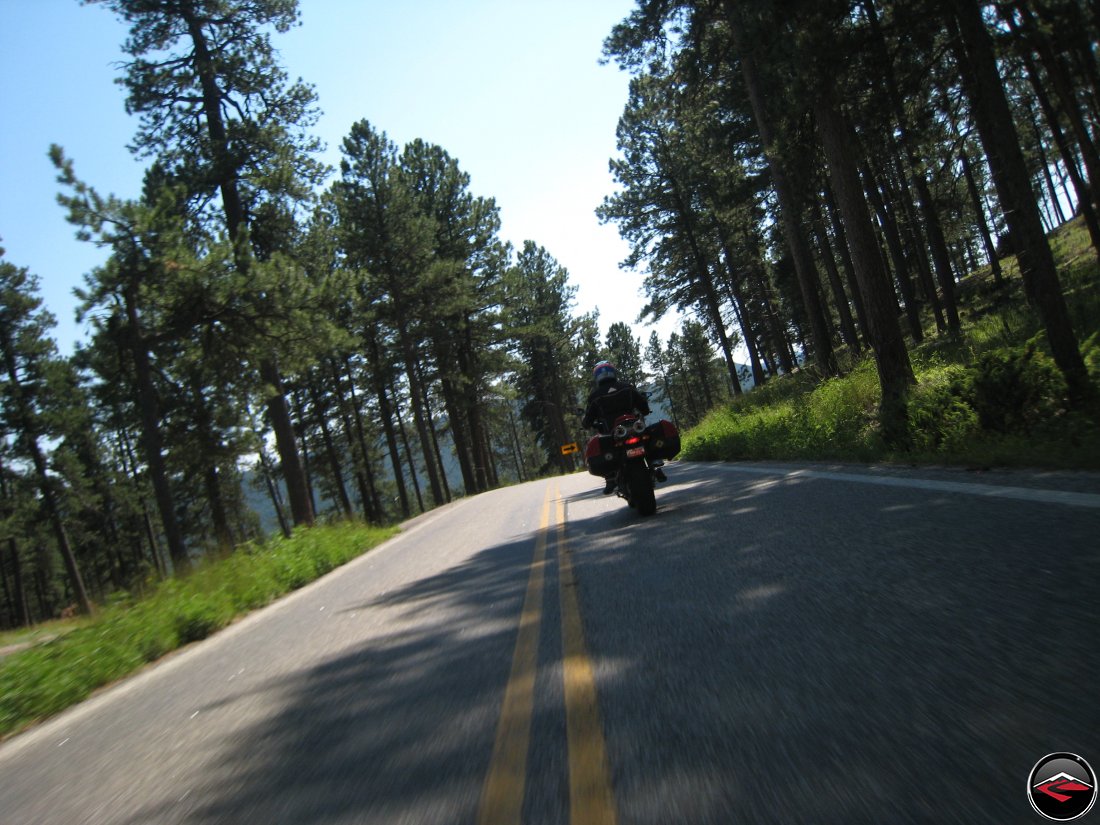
[[633, 453]]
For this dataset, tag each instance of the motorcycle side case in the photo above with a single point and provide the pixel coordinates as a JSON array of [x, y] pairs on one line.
[[664, 440], [600, 457]]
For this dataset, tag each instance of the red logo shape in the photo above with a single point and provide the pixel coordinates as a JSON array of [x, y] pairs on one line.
[[1061, 787]]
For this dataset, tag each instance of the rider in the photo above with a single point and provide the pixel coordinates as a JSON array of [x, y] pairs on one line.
[[610, 399]]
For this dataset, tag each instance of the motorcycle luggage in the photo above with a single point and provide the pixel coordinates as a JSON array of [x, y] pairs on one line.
[[664, 440], [599, 455]]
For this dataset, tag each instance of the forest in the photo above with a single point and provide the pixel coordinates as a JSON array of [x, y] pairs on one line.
[[810, 181]]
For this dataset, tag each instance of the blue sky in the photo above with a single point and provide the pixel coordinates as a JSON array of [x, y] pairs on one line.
[[511, 88]]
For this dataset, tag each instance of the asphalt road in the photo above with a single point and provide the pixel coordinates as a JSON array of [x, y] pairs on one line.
[[776, 645]]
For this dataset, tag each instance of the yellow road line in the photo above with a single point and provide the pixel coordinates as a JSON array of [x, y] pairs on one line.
[[590, 798], [502, 794]]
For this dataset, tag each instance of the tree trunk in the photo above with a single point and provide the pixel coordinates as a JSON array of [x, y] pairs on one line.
[[748, 332], [460, 435], [300, 437], [919, 253], [700, 275], [420, 420], [883, 331], [130, 467], [320, 411], [211, 481], [1080, 185], [372, 487], [1002, 146], [1058, 217], [845, 254], [29, 435], [151, 437], [19, 591], [273, 492], [554, 396], [225, 174], [517, 448], [941, 259], [353, 433], [983, 224], [820, 339], [386, 413], [408, 450], [893, 244], [484, 472], [772, 325], [286, 444], [1063, 88], [429, 417], [840, 297]]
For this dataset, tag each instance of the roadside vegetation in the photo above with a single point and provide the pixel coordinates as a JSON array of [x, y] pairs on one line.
[[993, 397], [81, 655]]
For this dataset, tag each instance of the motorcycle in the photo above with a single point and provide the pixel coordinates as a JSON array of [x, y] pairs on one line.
[[633, 453]]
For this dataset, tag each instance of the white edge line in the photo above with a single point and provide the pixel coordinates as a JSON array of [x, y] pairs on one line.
[[1033, 494]]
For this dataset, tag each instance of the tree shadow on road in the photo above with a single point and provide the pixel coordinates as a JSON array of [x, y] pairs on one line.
[[766, 650], [799, 655], [397, 730]]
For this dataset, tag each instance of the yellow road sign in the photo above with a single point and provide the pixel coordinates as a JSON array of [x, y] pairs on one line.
[[570, 448]]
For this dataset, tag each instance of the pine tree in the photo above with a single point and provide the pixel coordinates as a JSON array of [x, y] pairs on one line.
[[538, 303], [386, 236], [30, 372], [625, 351], [217, 111], [993, 118]]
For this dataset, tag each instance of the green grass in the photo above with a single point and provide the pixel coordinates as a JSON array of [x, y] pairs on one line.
[[39, 633], [993, 398], [82, 656]]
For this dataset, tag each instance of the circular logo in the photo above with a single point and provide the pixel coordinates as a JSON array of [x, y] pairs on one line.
[[1062, 787]]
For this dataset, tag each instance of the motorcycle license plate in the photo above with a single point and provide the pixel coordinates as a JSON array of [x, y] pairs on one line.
[[634, 452]]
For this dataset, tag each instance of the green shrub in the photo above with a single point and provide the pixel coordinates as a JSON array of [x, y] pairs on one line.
[[841, 411], [941, 420], [835, 419], [248, 578], [1090, 351], [196, 615], [1014, 389], [152, 633]]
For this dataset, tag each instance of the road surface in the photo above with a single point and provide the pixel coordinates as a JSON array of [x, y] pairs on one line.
[[778, 644]]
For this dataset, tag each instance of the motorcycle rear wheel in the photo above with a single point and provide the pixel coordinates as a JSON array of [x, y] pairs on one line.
[[640, 487]]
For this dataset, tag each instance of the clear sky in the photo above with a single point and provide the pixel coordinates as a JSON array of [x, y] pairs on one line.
[[512, 89]]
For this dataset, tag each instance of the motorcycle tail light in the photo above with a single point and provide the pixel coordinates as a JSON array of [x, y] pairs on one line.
[[633, 440]]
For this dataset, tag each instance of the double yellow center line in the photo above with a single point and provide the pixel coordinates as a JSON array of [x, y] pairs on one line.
[[590, 798]]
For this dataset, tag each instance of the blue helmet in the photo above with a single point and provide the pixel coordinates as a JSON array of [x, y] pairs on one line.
[[604, 372]]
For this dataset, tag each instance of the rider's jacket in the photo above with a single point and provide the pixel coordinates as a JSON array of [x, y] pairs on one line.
[[609, 401]]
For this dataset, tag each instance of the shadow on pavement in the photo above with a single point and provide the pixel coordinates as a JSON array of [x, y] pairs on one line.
[[800, 651], [766, 650]]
